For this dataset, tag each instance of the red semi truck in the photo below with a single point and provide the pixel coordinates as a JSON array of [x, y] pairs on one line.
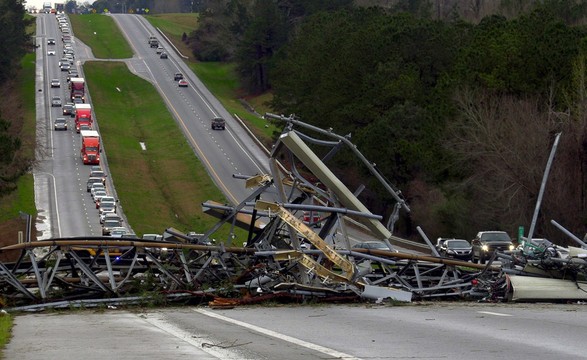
[[83, 116], [77, 87], [90, 149]]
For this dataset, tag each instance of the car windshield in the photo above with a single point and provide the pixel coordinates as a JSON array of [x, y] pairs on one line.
[[497, 236], [91, 148], [107, 205], [457, 244], [60, 121]]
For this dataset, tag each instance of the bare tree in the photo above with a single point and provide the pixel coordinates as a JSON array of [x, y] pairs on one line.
[[503, 143]]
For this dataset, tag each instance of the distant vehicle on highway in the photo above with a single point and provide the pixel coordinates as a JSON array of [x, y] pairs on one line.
[[486, 242], [60, 124], [55, 101], [91, 181], [218, 123], [163, 56], [372, 245], [456, 248], [50, 41], [182, 83], [159, 50], [68, 109], [100, 174], [177, 76], [51, 52], [55, 83], [109, 225]]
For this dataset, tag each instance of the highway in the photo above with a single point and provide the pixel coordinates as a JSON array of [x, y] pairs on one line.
[[65, 207], [223, 152], [366, 331], [374, 332]]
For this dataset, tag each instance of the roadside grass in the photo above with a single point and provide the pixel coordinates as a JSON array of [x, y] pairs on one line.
[[174, 26], [26, 84], [220, 78], [6, 323], [165, 185], [23, 198], [101, 33]]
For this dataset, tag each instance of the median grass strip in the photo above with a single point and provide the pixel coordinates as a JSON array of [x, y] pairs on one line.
[[165, 185], [101, 33]]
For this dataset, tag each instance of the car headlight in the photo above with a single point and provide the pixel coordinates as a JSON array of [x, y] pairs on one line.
[[450, 251], [484, 247], [512, 247]]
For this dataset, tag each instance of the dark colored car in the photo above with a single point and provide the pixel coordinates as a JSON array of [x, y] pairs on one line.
[[50, 41], [486, 242], [69, 109], [163, 56], [455, 248], [178, 76], [218, 123]]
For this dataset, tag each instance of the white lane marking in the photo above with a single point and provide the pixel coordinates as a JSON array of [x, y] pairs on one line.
[[189, 337], [330, 352], [493, 313]]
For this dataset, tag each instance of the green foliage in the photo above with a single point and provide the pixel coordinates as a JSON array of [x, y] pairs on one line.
[[101, 33], [6, 323], [264, 36], [527, 55], [14, 38], [377, 76], [17, 137]]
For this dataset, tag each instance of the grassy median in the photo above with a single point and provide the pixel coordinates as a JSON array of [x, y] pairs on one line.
[[101, 33], [163, 185]]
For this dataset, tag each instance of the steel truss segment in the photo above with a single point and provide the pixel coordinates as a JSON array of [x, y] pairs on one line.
[[9, 277], [88, 272], [346, 266]]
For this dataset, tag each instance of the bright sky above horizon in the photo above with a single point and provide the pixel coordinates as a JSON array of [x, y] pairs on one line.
[[39, 3]]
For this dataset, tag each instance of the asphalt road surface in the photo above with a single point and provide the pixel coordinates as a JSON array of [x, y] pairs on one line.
[[423, 331]]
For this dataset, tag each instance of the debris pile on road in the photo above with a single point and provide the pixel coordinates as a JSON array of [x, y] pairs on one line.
[[301, 245]]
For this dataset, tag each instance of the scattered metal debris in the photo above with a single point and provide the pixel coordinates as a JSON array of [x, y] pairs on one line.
[[285, 258]]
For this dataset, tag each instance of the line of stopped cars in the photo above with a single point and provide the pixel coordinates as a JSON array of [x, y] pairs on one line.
[[485, 243]]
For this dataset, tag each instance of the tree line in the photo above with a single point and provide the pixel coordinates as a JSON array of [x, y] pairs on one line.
[[14, 43], [460, 115]]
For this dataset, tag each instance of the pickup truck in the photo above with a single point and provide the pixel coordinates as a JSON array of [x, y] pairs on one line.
[[486, 242]]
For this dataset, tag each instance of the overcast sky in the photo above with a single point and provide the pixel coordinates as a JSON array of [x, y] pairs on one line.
[[39, 3]]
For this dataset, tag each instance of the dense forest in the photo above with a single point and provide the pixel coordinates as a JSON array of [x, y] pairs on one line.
[[459, 113], [14, 43]]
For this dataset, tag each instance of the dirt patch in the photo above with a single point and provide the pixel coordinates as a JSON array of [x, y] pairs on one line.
[[9, 236]]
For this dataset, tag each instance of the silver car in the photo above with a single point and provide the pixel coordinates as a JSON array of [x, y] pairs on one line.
[[60, 124]]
